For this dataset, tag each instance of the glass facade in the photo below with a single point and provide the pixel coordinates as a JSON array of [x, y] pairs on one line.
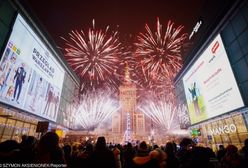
[[230, 128], [235, 37], [14, 124]]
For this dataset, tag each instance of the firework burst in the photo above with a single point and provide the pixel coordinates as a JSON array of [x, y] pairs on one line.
[[159, 58], [160, 52], [95, 108], [94, 56], [161, 112]]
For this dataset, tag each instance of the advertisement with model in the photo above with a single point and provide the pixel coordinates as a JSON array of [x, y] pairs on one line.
[[210, 86], [30, 77]]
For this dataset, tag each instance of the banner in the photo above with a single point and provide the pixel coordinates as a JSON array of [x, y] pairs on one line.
[[210, 86], [30, 77]]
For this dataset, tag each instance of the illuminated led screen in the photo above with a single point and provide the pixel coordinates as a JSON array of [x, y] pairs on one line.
[[30, 77], [210, 86]]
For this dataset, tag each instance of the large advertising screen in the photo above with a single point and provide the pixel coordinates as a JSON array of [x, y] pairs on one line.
[[30, 77], [210, 86]]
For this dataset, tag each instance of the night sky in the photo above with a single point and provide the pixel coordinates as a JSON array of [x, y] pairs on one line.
[[59, 17]]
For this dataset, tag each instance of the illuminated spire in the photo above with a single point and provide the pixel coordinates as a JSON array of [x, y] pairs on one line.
[[127, 78]]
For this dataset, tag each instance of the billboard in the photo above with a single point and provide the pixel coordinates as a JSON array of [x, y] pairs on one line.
[[210, 86], [30, 77]]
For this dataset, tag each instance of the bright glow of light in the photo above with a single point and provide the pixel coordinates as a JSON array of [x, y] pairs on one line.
[[94, 56], [152, 132], [162, 113], [182, 132], [158, 55], [160, 52], [95, 108]]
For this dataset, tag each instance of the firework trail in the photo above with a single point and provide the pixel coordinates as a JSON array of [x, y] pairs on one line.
[[95, 108], [162, 112], [94, 56]]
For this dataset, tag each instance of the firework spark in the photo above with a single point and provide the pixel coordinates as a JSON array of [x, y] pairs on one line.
[[160, 52], [95, 108], [94, 56], [162, 112], [158, 85], [159, 58]]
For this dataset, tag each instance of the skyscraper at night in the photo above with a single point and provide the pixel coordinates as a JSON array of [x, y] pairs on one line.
[[128, 123]]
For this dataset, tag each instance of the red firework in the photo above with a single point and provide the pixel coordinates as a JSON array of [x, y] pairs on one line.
[[159, 56], [94, 56]]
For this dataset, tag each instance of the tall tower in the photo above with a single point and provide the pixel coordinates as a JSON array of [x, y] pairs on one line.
[[127, 98], [128, 124]]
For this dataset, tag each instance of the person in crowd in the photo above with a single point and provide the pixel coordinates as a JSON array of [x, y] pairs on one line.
[[185, 151], [102, 156], [160, 156], [128, 155], [231, 159], [174, 147], [75, 150], [83, 157], [143, 159], [172, 161], [199, 158], [221, 152], [9, 151], [28, 150], [117, 154], [49, 150], [155, 146], [67, 153], [244, 151], [75, 153]]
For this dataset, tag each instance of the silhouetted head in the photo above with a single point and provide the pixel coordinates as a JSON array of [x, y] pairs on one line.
[[49, 141], [8, 146], [169, 147], [231, 149], [155, 146], [101, 143], [143, 145], [29, 142], [67, 150], [129, 145], [221, 147], [158, 154], [186, 142]]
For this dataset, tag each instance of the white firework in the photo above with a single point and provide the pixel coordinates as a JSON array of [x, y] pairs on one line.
[[94, 109], [162, 113]]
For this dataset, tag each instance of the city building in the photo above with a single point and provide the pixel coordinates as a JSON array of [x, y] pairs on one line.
[[213, 84], [128, 123]]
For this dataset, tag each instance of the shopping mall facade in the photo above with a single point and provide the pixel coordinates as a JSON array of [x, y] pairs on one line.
[[31, 92], [213, 84]]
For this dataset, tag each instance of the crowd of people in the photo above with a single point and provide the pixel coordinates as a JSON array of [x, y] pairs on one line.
[[107, 155]]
